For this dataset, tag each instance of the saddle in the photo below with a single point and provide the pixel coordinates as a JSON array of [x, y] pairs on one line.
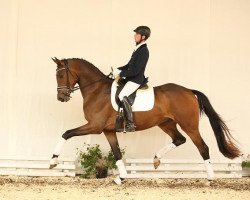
[[131, 98], [120, 119], [144, 100]]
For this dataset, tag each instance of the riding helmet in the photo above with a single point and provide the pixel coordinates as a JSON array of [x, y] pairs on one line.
[[143, 30]]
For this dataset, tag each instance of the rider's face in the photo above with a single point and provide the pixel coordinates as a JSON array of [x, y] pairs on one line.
[[138, 38]]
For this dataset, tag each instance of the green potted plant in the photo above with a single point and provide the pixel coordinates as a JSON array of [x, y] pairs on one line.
[[246, 166], [95, 163]]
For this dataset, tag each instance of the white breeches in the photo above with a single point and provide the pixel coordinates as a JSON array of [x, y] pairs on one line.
[[128, 89]]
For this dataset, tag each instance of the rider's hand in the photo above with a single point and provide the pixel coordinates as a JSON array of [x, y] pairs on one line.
[[117, 78], [116, 72]]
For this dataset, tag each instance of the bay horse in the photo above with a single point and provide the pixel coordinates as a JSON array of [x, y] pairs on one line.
[[174, 105]]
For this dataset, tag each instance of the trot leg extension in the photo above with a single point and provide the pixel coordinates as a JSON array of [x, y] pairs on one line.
[[82, 130], [162, 152], [54, 160], [170, 128]]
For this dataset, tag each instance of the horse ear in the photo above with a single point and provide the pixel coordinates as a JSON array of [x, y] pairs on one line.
[[58, 62]]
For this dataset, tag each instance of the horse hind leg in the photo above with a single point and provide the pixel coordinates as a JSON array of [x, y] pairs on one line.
[[170, 128], [203, 149]]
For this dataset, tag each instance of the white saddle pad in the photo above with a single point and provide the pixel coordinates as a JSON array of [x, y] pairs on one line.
[[144, 100]]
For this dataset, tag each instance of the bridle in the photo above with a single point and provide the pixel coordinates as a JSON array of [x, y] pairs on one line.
[[67, 89]]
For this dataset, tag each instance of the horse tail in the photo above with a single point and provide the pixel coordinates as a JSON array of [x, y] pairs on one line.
[[222, 134]]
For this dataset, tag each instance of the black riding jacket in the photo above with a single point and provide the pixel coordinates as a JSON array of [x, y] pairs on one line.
[[134, 70]]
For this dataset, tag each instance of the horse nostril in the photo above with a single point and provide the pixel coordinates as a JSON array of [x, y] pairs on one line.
[[60, 99]]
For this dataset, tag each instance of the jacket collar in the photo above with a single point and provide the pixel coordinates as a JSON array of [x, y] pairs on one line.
[[139, 45]]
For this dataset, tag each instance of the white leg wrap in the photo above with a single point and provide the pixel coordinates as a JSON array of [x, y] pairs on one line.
[[121, 169], [164, 150], [59, 146], [209, 168], [54, 161], [118, 180]]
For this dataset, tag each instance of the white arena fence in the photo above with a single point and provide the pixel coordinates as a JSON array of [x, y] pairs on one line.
[[136, 168], [23, 166], [182, 168]]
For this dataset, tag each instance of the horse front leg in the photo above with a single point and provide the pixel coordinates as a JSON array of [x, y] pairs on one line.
[[112, 139], [82, 130]]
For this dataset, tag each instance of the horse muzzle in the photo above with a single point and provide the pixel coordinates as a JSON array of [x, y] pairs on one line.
[[63, 97]]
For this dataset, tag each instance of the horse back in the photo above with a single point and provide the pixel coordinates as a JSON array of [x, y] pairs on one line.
[[175, 99], [172, 88]]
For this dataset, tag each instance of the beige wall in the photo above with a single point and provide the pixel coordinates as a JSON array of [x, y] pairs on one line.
[[200, 44]]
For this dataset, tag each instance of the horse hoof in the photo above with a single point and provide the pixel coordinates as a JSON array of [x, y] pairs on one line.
[[52, 166], [53, 163], [118, 180], [210, 178], [157, 162]]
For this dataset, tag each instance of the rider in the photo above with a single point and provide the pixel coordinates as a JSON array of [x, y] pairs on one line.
[[133, 72]]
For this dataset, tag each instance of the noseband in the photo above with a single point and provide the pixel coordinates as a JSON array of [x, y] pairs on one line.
[[67, 89]]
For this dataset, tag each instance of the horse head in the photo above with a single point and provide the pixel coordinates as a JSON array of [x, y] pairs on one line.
[[66, 80]]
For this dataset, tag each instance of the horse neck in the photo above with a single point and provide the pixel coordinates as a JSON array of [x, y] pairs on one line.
[[91, 79]]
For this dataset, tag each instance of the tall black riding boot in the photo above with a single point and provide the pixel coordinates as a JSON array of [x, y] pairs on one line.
[[130, 127]]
